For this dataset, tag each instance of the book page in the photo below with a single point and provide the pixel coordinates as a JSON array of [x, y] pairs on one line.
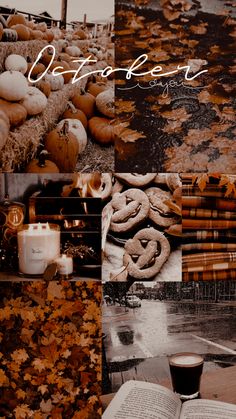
[[141, 400], [208, 409]]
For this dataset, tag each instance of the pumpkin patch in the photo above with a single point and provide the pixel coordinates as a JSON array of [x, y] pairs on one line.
[[55, 113]]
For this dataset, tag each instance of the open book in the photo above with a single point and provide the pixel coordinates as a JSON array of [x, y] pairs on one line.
[[141, 400]]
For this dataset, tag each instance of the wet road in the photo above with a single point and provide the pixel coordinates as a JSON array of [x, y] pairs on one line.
[[157, 329]]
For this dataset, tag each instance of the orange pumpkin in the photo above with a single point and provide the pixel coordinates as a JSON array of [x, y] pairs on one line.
[[16, 113], [38, 69], [96, 87], [80, 34], [45, 87], [64, 57], [72, 113], [16, 20], [89, 54], [41, 165], [22, 31], [4, 128], [63, 148], [47, 57], [85, 102], [102, 130], [36, 34], [50, 35], [67, 77]]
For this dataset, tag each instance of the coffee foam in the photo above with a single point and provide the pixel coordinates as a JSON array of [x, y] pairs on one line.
[[186, 359]]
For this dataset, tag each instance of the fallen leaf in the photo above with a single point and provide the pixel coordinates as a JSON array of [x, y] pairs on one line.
[[200, 29], [19, 356], [55, 290], [50, 352], [125, 106]]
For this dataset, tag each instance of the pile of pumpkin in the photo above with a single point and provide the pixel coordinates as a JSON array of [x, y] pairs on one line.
[[18, 28], [90, 111], [17, 99]]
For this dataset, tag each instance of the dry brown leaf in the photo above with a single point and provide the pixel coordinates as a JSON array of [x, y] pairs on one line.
[[200, 29], [125, 106], [127, 135], [206, 97], [179, 114]]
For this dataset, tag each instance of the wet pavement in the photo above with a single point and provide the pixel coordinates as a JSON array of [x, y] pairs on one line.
[[139, 340]]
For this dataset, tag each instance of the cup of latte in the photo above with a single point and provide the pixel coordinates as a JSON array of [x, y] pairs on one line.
[[186, 370]]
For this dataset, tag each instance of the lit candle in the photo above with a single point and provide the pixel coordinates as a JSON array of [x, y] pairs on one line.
[[38, 245], [65, 265]]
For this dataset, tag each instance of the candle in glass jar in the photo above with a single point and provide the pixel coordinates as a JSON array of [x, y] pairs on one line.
[[38, 245], [65, 265]]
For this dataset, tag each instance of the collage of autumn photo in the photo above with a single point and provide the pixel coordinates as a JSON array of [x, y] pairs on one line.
[[117, 209]]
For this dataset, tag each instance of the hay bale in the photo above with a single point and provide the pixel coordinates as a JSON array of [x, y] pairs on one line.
[[29, 49], [23, 142]]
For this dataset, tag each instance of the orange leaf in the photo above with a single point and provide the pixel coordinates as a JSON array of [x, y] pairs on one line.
[[50, 352]]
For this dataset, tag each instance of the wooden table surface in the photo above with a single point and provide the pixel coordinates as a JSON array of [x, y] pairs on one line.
[[215, 385]]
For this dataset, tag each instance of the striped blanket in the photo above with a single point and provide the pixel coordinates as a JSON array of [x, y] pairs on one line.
[[209, 235], [208, 213], [204, 202], [208, 247], [206, 224], [210, 257], [211, 191], [211, 266], [210, 275]]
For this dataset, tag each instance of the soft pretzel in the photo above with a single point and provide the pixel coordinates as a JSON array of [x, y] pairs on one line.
[[145, 253]]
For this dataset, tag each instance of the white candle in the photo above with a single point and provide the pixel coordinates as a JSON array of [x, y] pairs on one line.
[[65, 265], [38, 245]]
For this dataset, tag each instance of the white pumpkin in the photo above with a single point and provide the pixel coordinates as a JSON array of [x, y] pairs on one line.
[[105, 103], [13, 86], [15, 62], [73, 51], [77, 128], [57, 33], [62, 45], [56, 82], [35, 101]]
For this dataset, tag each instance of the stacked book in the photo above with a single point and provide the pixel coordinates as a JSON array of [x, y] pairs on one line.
[[209, 231]]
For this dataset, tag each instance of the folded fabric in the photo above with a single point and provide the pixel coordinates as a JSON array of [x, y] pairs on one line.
[[210, 275], [204, 202], [218, 266], [204, 259], [211, 191], [212, 246], [209, 235], [208, 213], [202, 224]]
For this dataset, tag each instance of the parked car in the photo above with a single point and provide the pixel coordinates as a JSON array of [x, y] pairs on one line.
[[133, 301]]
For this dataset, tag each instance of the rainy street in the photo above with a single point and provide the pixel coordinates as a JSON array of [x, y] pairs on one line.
[[137, 341]]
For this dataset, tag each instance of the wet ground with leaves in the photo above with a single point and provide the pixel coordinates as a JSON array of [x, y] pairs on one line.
[[189, 127]]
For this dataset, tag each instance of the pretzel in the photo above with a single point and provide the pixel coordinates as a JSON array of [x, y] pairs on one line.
[[136, 179], [129, 209], [159, 212], [172, 180], [145, 253]]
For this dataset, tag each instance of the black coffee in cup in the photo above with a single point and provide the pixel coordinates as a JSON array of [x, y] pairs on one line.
[[186, 369]]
